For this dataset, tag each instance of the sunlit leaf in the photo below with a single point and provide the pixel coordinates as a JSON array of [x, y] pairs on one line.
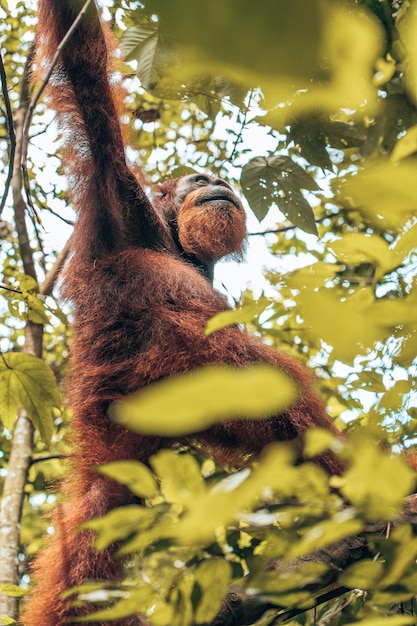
[[405, 146], [317, 441], [346, 324], [242, 315], [391, 620], [374, 482], [13, 591], [213, 577], [363, 575], [27, 381], [136, 476], [131, 604], [180, 476], [324, 534], [194, 401], [404, 557], [119, 524], [408, 30], [357, 248], [384, 192]]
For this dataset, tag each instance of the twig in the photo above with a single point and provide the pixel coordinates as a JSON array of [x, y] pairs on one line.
[[35, 100], [284, 229], [11, 133], [47, 457], [51, 277], [10, 289], [325, 597]]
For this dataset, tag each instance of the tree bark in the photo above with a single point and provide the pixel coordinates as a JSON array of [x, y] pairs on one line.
[[22, 438]]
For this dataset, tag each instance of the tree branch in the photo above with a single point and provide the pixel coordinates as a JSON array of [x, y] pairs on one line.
[[52, 275], [10, 131]]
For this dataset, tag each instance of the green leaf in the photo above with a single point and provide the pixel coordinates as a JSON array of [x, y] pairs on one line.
[[301, 575], [194, 401], [236, 39], [27, 305], [393, 399], [358, 248], [27, 381], [180, 476], [136, 476], [242, 315], [383, 192], [403, 560], [317, 441], [392, 620], [142, 43], [312, 144], [13, 591], [405, 146], [408, 33], [120, 524], [278, 180], [7, 621], [213, 577], [376, 483], [131, 604], [364, 575], [325, 533]]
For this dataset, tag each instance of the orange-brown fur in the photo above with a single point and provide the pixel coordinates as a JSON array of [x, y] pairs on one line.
[[141, 303]]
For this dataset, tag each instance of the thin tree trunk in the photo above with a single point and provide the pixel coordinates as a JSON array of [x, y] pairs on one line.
[[22, 439]]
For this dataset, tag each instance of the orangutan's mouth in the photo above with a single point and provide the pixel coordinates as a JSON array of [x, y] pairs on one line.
[[223, 196]]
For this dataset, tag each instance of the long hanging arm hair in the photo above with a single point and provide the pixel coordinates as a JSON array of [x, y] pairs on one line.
[[113, 208]]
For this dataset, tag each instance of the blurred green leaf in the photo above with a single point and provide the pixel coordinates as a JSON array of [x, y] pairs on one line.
[[136, 476], [387, 620], [242, 315], [326, 533], [363, 575], [405, 146], [119, 524], [237, 39], [384, 192], [374, 482], [357, 248], [180, 476], [408, 31], [403, 560], [13, 590], [194, 401], [213, 577]]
